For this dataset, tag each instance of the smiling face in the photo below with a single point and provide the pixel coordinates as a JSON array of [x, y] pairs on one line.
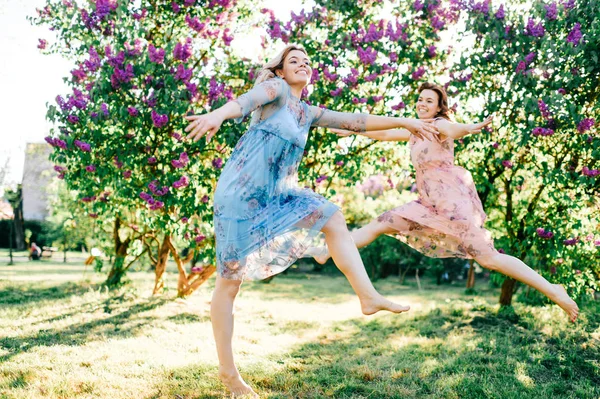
[[296, 69], [428, 104]]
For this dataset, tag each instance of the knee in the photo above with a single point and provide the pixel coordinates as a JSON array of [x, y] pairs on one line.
[[229, 288], [336, 223], [488, 261]]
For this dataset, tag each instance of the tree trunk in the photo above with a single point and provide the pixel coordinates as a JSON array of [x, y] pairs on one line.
[[508, 289], [187, 284], [64, 246], [118, 268], [417, 278], [10, 240], [161, 265], [18, 221], [403, 275], [471, 274]]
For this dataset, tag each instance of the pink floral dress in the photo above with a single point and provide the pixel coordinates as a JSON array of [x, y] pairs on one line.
[[447, 219]]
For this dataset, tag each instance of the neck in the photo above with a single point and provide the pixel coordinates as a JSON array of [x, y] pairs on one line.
[[297, 90]]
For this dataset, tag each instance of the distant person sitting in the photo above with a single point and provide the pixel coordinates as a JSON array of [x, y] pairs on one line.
[[35, 252]]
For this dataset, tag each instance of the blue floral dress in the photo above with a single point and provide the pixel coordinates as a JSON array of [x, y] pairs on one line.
[[263, 220]]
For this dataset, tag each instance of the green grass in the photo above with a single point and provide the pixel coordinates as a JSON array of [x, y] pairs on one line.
[[62, 335]]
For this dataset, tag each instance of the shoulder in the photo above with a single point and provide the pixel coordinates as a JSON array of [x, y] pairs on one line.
[[275, 85]]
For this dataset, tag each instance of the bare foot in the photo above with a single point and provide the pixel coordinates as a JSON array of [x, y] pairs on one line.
[[375, 305], [563, 300], [236, 385]]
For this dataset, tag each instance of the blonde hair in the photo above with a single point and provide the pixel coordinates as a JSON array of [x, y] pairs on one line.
[[276, 63]]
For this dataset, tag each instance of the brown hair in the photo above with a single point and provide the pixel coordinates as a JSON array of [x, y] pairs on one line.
[[268, 70], [442, 99]]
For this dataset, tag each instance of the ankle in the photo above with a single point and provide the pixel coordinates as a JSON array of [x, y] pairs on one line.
[[228, 372]]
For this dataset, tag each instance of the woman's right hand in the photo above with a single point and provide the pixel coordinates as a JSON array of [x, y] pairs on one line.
[[342, 132], [202, 124], [422, 128]]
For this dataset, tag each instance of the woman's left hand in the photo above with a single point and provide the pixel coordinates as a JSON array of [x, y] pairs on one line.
[[478, 126]]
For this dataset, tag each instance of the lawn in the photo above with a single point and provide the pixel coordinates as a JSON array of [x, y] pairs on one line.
[[62, 335]]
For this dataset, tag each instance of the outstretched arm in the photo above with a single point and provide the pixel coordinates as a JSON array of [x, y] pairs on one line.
[[459, 130], [363, 122], [381, 135], [264, 93]]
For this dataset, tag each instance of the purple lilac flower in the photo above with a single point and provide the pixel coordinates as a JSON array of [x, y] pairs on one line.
[[117, 163], [541, 131], [199, 238], [530, 57], [159, 192], [73, 119], [568, 4], [217, 163], [321, 178], [336, 92], [183, 51], [141, 15], [373, 34], [507, 164], [85, 147], [571, 241], [152, 160], [156, 55], [89, 199], [127, 174], [399, 106], [575, 35], [118, 60], [367, 56], [500, 14], [159, 120], [544, 234], [551, 11], [227, 38], [533, 29], [42, 44], [543, 109], [562, 91], [183, 74], [90, 168], [585, 124], [431, 51], [133, 111], [157, 205], [590, 172], [181, 183], [418, 5], [418, 74], [182, 161]]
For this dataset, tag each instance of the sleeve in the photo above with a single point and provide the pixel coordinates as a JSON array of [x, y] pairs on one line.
[[323, 117], [261, 94]]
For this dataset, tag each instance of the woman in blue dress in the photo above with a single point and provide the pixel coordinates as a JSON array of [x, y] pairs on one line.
[[263, 220]]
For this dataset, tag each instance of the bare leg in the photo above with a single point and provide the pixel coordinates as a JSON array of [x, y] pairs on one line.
[[221, 313], [515, 268], [347, 259], [362, 237]]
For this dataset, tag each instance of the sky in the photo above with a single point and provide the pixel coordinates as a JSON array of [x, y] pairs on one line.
[[30, 79]]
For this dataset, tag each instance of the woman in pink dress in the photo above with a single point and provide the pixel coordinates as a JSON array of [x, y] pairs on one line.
[[448, 219]]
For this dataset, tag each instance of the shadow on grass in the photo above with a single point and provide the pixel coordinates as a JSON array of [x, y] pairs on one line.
[[123, 321], [24, 294], [304, 288], [446, 353]]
